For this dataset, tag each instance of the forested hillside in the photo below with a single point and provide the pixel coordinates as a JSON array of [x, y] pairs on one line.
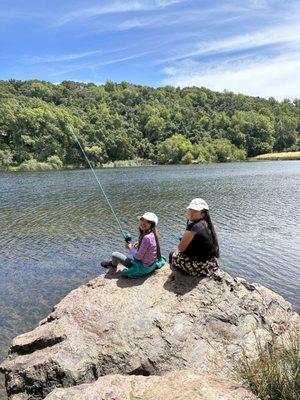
[[126, 122]]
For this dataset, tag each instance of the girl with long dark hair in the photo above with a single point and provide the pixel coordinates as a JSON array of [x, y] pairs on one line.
[[198, 250], [145, 253]]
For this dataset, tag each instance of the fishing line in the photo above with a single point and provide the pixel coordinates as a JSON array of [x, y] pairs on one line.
[[124, 234]]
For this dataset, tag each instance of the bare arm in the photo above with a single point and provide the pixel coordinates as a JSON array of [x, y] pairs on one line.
[[185, 241]]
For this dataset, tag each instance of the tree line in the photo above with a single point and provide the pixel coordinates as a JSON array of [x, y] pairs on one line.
[[123, 121]]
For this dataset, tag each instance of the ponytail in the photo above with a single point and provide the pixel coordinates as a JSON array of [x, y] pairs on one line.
[[213, 234], [158, 252]]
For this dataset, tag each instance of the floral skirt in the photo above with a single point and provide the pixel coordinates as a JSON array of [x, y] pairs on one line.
[[192, 267]]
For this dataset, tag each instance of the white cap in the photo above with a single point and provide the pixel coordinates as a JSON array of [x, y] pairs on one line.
[[149, 216], [198, 205]]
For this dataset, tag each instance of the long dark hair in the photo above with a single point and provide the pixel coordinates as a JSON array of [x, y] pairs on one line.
[[154, 231], [213, 233]]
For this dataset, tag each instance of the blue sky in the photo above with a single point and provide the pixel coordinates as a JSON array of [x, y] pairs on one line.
[[250, 46]]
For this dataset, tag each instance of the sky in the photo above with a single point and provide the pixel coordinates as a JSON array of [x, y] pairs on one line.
[[250, 46]]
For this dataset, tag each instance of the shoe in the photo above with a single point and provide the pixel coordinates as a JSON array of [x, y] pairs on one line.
[[106, 264]]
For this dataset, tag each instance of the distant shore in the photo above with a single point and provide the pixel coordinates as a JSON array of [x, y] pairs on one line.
[[44, 166], [292, 155]]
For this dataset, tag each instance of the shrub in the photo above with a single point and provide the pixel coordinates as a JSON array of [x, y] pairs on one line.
[[173, 149], [275, 374], [126, 163], [187, 158], [95, 155], [5, 158], [34, 165], [225, 151], [55, 162]]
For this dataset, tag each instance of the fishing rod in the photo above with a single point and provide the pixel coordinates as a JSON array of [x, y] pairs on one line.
[[126, 235]]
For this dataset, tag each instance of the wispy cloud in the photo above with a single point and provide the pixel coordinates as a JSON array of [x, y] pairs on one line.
[[190, 17], [92, 66], [246, 46], [247, 41], [121, 59], [140, 22], [277, 77], [61, 57], [10, 15], [264, 63], [115, 7], [171, 18]]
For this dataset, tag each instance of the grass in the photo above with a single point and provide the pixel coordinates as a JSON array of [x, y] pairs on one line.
[[33, 165], [291, 155], [275, 374], [126, 163], [30, 166]]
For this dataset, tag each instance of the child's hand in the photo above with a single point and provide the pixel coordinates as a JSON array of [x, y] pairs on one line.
[[136, 245], [128, 245]]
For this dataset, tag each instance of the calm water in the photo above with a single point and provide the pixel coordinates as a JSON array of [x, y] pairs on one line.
[[55, 227]]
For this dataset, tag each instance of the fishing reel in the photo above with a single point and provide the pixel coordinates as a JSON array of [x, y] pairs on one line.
[[127, 237]]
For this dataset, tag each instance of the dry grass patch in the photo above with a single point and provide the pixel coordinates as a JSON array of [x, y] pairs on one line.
[[275, 374], [292, 155]]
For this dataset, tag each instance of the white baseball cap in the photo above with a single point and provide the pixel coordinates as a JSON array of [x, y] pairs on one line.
[[149, 216], [198, 205]]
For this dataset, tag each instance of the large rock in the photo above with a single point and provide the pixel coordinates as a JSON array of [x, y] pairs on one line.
[[2, 388], [180, 385], [148, 326]]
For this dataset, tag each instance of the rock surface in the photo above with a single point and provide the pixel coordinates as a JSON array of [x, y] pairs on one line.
[[148, 326], [2, 388], [179, 385]]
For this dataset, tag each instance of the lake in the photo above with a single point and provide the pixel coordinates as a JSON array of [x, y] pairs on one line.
[[55, 227]]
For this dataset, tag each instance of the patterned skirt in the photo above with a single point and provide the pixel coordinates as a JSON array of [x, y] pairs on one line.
[[192, 267]]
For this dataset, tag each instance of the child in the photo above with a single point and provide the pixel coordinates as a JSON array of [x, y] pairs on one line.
[[146, 255]]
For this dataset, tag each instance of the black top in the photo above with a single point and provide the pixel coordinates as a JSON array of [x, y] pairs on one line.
[[201, 247]]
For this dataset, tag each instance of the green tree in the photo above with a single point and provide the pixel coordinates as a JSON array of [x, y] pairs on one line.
[[6, 158], [95, 154], [154, 128], [55, 162], [174, 149], [252, 131], [120, 147], [287, 133], [38, 121], [225, 151]]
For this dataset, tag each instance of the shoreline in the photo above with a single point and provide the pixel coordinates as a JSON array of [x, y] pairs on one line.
[[148, 163], [284, 156]]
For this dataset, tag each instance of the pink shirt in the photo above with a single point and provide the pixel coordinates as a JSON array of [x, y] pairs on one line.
[[147, 253]]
